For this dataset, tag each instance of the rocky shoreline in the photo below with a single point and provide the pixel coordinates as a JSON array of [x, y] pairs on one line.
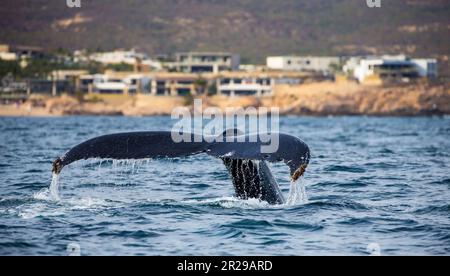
[[315, 99]]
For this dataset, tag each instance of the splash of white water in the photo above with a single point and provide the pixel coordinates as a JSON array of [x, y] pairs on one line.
[[54, 188], [297, 194]]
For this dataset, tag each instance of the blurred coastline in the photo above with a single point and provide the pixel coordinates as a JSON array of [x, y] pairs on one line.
[[314, 99]]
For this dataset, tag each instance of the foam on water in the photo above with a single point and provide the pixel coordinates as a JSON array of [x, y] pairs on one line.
[[48, 207], [51, 193], [231, 203]]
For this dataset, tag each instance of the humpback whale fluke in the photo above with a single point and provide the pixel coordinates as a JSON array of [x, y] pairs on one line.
[[245, 162]]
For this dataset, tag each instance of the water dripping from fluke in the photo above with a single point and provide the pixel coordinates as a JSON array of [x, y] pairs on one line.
[[297, 193], [54, 188]]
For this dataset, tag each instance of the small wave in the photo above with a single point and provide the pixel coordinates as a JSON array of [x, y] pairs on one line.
[[337, 204], [340, 168], [444, 209], [200, 186], [357, 221], [353, 184], [297, 225], [445, 181], [249, 224], [12, 202], [42, 204], [35, 171], [222, 232], [107, 185], [418, 229], [140, 234], [231, 203], [16, 244], [386, 151], [381, 165]]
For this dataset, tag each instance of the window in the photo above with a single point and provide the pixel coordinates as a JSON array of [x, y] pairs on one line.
[[225, 81]]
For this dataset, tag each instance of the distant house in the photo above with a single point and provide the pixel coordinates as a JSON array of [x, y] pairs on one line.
[[130, 57], [258, 84], [67, 74], [173, 84], [5, 54], [205, 62], [393, 68], [111, 84], [30, 52], [15, 52], [306, 63]]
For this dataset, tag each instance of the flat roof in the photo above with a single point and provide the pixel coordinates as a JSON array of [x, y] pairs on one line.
[[206, 53], [224, 74]]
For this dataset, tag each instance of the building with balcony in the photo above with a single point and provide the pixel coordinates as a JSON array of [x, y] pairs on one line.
[[205, 62], [114, 84], [393, 68], [130, 57], [258, 84]]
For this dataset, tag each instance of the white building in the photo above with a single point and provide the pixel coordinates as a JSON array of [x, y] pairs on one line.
[[254, 83], [392, 67], [127, 57], [104, 84], [247, 86], [206, 62], [428, 68], [299, 63], [5, 53]]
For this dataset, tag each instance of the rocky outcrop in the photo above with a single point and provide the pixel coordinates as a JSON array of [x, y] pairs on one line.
[[351, 99]]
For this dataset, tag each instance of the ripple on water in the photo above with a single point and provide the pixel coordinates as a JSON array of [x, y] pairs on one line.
[[343, 204], [349, 184], [340, 168], [249, 224], [139, 234], [295, 225], [445, 181], [438, 210]]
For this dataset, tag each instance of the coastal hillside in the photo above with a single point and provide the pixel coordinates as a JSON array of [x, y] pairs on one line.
[[253, 28]]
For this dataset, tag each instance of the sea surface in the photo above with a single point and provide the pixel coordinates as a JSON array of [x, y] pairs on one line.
[[375, 185]]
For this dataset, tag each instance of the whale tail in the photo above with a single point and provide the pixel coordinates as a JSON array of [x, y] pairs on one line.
[[245, 162]]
